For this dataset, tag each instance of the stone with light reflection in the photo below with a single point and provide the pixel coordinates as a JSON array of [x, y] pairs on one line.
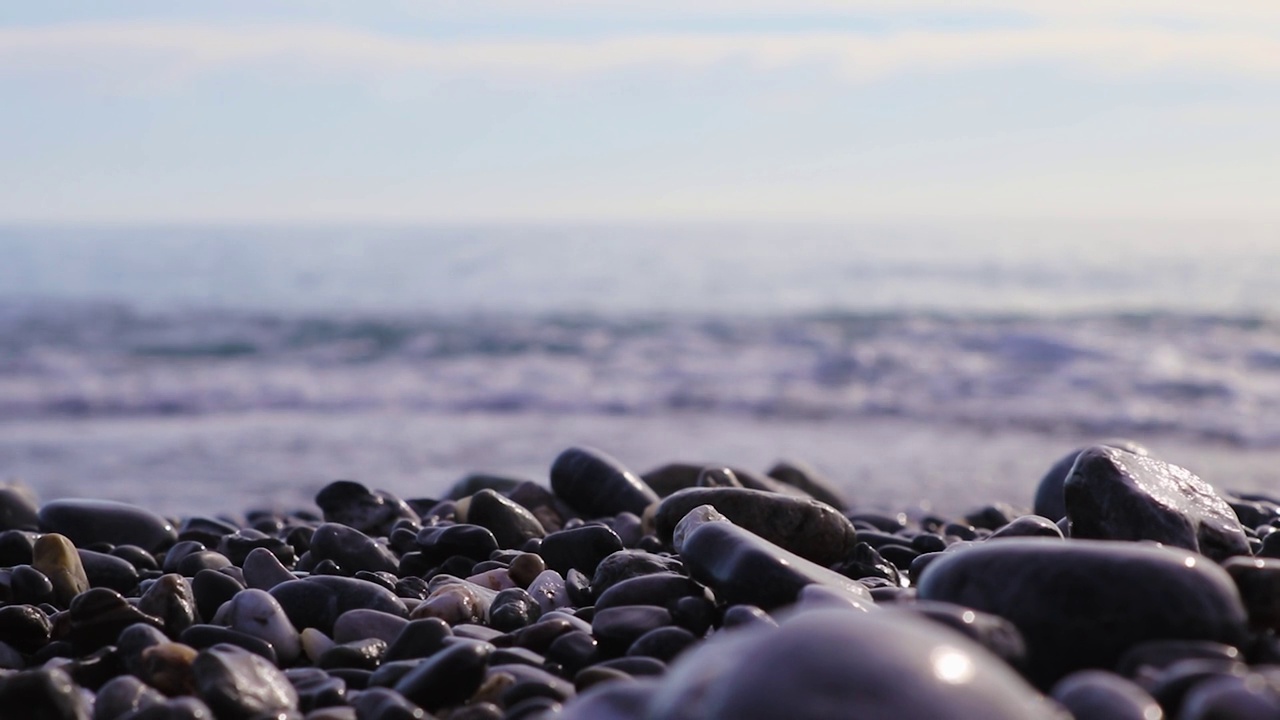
[[844, 663], [1116, 495], [1083, 603]]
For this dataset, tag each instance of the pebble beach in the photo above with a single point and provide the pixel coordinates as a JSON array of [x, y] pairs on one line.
[[1131, 589]]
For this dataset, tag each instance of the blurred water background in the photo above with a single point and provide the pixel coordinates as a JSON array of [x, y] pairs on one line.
[[216, 369]]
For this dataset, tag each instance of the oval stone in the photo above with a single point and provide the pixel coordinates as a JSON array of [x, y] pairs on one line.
[[848, 664], [88, 522], [1082, 604], [597, 485], [811, 529]]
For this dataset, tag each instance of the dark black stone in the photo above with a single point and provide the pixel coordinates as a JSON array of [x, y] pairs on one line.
[[171, 599], [352, 549], [627, 564], [992, 632], [316, 688], [239, 544], [98, 615], [448, 677], [175, 554], [317, 601], [29, 586], [236, 683], [206, 636], [616, 628], [1049, 500], [511, 524], [25, 627], [580, 549], [18, 509], [211, 589], [801, 476], [1028, 526], [1102, 694], [363, 654], [205, 530], [123, 695], [865, 562], [438, 544], [380, 703], [597, 485], [356, 506], [418, 639], [741, 567], [1081, 604], [43, 695], [86, 522], [193, 563], [663, 643], [16, 547], [573, 650], [513, 609], [1115, 495], [140, 559], [661, 589], [811, 529]]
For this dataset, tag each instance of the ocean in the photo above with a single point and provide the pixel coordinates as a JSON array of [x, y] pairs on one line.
[[917, 364]]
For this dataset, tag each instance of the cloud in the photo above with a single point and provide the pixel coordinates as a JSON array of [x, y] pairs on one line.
[[150, 53]]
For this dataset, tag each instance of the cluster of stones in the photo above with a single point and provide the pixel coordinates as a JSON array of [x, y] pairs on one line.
[[1135, 590]]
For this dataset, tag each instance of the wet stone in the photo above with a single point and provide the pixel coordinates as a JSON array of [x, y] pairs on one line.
[[661, 589], [171, 600], [804, 477], [513, 609], [618, 627], [1116, 495], [25, 627], [356, 506], [18, 507], [1054, 592], [87, 522], [597, 485], [351, 548], [123, 695], [29, 586], [177, 552], [997, 635], [99, 615], [1258, 580], [263, 570], [167, 668], [255, 612], [56, 558], [237, 546], [418, 639], [206, 636], [581, 548], [16, 547], [1102, 694], [627, 564], [1049, 500], [181, 708], [316, 688], [380, 703], [817, 661], [103, 570], [663, 643], [1155, 655], [511, 524], [809, 528], [448, 677], [573, 650], [363, 654], [50, 690], [211, 589], [360, 623], [237, 683], [204, 530], [438, 544], [866, 562], [318, 601], [1028, 526], [741, 567]]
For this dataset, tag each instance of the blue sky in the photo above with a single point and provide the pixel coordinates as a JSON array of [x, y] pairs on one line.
[[548, 110]]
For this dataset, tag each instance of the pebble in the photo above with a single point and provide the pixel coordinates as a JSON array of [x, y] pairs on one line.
[[236, 683], [742, 567], [448, 677], [55, 557], [581, 548], [362, 509], [87, 522], [1112, 494], [1105, 695], [804, 477], [1083, 603], [816, 662], [318, 601], [18, 507], [350, 548], [811, 529], [512, 525], [256, 613], [596, 485], [1049, 500]]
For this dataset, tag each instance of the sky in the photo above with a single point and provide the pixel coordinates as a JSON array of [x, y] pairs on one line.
[[160, 111]]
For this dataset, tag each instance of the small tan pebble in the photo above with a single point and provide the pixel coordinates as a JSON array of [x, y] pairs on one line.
[[525, 567], [55, 556], [167, 668]]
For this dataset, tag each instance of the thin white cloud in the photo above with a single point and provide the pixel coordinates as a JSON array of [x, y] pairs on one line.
[[142, 53]]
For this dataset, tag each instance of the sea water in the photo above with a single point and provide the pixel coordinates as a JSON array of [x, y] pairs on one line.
[[218, 368]]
